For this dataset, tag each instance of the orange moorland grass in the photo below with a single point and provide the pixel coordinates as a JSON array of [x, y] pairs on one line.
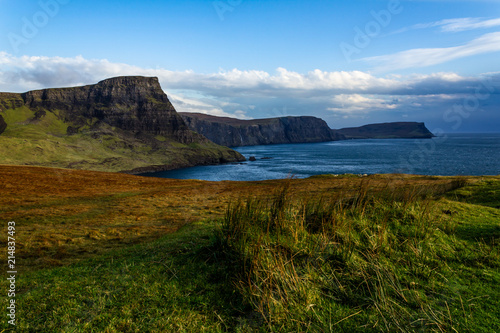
[[64, 215]]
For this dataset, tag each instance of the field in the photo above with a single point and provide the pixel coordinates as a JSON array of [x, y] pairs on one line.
[[108, 252]]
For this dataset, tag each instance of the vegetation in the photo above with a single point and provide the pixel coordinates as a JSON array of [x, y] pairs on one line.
[[390, 262], [97, 252]]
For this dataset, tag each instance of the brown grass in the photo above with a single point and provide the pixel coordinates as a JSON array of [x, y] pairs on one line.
[[64, 215]]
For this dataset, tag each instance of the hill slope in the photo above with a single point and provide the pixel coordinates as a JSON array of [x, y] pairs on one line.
[[235, 132], [118, 124]]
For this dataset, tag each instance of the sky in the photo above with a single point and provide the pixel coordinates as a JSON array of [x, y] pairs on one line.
[[348, 62]]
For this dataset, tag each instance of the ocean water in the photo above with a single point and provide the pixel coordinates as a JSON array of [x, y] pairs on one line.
[[448, 154]]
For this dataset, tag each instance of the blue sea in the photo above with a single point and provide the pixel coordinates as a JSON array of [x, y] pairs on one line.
[[447, 154]]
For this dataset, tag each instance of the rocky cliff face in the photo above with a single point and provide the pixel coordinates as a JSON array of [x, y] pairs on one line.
[[118, 124], [408, 130], [131, 103], [232, 132]]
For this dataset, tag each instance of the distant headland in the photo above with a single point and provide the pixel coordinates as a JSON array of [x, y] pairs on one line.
[[233, 132]]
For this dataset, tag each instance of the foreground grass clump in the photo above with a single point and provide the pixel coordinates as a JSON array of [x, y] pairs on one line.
[[363, 263]]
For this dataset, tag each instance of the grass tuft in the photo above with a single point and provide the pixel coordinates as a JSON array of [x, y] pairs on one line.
[[352, 263]]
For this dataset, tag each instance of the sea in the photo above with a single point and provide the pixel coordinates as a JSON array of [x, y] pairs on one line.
[[446, 155]]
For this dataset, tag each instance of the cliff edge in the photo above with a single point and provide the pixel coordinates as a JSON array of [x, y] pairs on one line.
[[119, 124], [233, 132]]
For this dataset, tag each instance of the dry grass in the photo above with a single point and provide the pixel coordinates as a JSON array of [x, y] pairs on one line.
[[126, 277], [64, 215]]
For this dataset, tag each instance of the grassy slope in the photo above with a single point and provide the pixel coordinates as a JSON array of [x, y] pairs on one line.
[[44, 142], [96, 252]]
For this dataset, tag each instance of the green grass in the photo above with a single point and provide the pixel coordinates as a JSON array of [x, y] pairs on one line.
[[107, 153], [403, 261], [367, 264], [484, 192], [163, 286], [18, 115]]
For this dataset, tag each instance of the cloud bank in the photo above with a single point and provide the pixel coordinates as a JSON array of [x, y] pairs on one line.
[[340, 97]]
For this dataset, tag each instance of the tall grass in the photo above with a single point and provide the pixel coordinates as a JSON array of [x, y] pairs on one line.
[[355, 262]]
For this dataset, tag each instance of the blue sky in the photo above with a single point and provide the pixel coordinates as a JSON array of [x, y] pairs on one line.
[[348, 62]]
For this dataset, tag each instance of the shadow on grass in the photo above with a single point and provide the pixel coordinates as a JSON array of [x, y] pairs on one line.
[[172, 284]]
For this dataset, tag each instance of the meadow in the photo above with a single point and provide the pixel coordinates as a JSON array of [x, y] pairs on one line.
[[108, 252]]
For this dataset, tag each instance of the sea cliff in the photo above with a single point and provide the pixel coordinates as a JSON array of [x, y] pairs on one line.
[[233, 132], [236, 132], [119, 124]]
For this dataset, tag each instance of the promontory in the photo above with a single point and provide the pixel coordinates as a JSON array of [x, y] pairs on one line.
[[120, 124]]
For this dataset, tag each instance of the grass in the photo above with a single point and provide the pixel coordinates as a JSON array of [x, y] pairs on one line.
[[162, 286], [385, 263], [485, 192], [100, 252]]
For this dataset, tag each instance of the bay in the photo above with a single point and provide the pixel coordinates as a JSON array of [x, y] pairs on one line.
[[446, 155]]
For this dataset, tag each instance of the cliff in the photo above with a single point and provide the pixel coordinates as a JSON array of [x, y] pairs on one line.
[[118, 124], [136, 104], [409, 130], [235, 132]]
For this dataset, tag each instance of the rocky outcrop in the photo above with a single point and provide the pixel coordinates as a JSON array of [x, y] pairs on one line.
[[232, 132], [131, 103], [119, 124], [409, 130]]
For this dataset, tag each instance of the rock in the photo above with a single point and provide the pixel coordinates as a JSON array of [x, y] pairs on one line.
[[71, 130], [233, 132], [266, 158], [40, 114], [252, 158]]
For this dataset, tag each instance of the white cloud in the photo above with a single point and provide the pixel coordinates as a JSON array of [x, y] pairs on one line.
[[25, 73], [455, 24], [256, 94], [186, 104], [355, 103], [424, 57], [468, 23]]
